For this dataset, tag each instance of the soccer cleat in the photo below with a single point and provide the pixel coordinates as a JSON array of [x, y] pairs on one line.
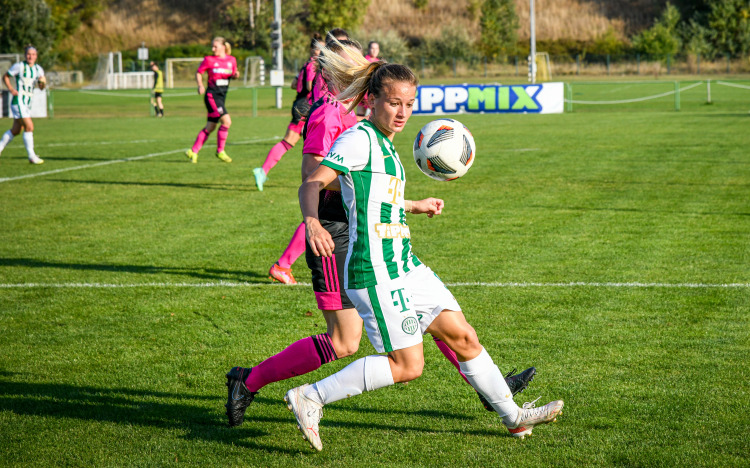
[[282, 275], [516, 383], [260, 177], [530, 416], [307, 413], [239, 397], [224, 156], [34, 159], [193, 157]]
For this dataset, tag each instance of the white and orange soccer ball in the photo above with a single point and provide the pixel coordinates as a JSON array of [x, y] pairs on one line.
[[444, 149]]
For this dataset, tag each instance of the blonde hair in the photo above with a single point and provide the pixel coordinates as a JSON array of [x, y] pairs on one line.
[[225, 43], [361, 78]]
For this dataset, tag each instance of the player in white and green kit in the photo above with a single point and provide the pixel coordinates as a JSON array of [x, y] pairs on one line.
[[20, 81], [397, 296]]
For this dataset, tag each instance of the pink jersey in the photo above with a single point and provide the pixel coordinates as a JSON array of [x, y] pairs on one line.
[[369, 58], [324, 125], [220, 70], [306, 74], [320, 88]]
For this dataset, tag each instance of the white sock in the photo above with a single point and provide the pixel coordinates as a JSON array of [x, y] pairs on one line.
[[28, 142], [7, 136], [487, 379], [363, 375]]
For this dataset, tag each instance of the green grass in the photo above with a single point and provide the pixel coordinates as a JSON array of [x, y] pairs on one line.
[[134, 376]]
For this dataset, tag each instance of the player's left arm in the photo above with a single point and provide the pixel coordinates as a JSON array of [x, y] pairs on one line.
[[236, 73], [429, 206]]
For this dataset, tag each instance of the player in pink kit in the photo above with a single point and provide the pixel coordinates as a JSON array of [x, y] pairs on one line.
[[281, 270], [220, 67], [328, 119], [300, 110]]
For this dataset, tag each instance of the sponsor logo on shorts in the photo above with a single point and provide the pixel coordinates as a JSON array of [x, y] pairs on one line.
[[400, 299], [410, 325]]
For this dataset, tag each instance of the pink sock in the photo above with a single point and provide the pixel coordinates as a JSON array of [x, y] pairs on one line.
[[221, 138], [274, 156], [295, 248], [199, 140], [450, 355], [298, 358]]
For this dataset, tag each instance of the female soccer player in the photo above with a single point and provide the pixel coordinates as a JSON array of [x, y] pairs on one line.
[[220, 67], [397, 296], [327, 120], [281, 270], [300, 109], [26, 75], [158, 90]]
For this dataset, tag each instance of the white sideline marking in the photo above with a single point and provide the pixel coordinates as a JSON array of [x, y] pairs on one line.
[[231, 284], [86, 166], [115, 161]]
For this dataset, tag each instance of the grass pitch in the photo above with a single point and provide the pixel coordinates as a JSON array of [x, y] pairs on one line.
[[609, 249]]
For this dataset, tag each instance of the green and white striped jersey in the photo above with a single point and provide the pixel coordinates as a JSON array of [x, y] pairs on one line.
[[26, 76], [372, 187]]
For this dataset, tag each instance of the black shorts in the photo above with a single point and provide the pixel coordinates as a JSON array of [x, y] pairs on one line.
[[300, 110], [156, 95], [328, 272], [214, 106]]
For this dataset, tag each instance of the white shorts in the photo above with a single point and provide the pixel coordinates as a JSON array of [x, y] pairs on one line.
[[19, 111], [394, 311]]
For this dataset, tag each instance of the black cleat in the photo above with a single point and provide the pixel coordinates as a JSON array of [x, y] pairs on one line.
[[516, 383], [239, 397]]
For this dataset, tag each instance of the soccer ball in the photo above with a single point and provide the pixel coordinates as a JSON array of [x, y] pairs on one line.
[[444, 149]]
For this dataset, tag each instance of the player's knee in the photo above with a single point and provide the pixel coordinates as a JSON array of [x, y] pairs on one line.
[[465, 341], [408, 370], [345, 348]]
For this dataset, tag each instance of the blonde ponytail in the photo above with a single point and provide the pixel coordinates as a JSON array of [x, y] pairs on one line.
[[356, 80], [225, 43]]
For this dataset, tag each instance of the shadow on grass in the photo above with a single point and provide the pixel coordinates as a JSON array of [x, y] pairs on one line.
[[186, 411], [202, 273], [227, 187], [134, 407]]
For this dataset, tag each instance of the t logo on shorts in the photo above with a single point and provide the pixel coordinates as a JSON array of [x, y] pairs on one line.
[[401, 300]]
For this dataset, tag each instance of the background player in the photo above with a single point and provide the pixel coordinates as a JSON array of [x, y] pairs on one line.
[[300, 109], [25, 74], [220, 67], [158, 90]]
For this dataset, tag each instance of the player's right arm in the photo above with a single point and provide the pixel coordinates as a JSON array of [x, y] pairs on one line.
[[6, 80], [199, 76], [318, 237]]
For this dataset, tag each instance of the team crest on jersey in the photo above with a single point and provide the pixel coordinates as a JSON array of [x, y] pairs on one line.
[[410, 325]]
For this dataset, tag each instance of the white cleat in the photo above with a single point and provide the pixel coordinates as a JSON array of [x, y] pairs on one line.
[[530, 416], [35, 160], [308, 414]]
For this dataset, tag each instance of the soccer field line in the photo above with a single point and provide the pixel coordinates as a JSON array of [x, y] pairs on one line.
[[231, 284], [115, 161]]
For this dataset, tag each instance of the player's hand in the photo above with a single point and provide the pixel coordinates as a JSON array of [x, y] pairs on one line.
[[201, 90], [429, 206], [319, 239], [236, 74], [41, 82]]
